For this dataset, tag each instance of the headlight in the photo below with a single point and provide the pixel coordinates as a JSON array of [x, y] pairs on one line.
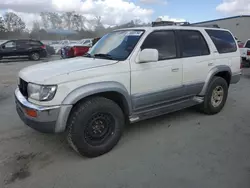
[[41, 92]]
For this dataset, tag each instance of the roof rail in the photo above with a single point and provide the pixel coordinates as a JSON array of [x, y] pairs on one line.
[[208, 25], [169, 23]]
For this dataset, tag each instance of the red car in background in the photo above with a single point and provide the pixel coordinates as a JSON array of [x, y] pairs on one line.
[[240, 44], [78, 49]]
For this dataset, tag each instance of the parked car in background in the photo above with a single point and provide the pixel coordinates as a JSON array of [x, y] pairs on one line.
[[50, 50], [239, 42], [33, 49], [58, 45], [245, 52], [87, 42], [78, 49]]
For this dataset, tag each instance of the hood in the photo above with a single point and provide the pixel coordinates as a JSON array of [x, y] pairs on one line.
[[41, 72]]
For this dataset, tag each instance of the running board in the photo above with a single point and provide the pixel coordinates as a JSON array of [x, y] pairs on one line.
[[158, 111]]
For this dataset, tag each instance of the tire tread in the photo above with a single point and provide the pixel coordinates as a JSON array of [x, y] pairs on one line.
[[77, 110]]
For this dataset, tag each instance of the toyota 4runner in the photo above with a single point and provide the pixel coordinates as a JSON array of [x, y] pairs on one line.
[[128, 76]]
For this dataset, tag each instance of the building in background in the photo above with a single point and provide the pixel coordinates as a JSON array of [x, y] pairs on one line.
[[238, 25]]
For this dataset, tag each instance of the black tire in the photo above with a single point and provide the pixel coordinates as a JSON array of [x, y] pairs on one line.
[[81, 133], [35, 56], [208, 106]]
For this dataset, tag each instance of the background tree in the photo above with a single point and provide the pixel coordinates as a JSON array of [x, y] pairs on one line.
[[45, 19], [67, 18], [2, 26], [13, 22], [55, 20], [77, 21], [36, 26]]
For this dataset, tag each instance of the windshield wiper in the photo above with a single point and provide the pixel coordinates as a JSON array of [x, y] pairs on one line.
[[107, 56]]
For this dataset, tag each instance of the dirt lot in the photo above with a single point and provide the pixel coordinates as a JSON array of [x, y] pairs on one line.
[[181, 150]]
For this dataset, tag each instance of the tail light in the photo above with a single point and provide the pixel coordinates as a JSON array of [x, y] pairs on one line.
[[43, 47], [248, 52], [74, 51]]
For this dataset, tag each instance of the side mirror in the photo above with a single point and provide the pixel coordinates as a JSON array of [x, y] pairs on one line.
[[148, 55]]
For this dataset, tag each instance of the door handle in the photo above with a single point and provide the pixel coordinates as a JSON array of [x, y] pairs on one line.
[[175, 69], [210, 64]]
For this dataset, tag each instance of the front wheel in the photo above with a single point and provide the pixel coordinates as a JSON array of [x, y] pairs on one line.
[[95, 126], [215, 97]]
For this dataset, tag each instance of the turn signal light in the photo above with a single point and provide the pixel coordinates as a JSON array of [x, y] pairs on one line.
[[31, 113]]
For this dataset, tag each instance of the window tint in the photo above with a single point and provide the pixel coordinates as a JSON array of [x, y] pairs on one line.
[[35, 43], [164, 42], [223, 40], [10, 44], [192, 44], [86, 41], [247, 44], [22, 43]]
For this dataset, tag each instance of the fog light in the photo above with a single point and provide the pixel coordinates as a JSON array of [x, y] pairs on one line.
[[31, 113]]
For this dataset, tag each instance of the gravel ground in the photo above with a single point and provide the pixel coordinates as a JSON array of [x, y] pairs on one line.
[[185, 149]]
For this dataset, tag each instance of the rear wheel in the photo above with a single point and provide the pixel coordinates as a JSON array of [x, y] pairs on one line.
[[215, 97], [35, 56], [95, 126]]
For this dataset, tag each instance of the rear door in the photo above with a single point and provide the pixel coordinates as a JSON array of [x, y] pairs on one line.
[[22, 47], [196, 60]]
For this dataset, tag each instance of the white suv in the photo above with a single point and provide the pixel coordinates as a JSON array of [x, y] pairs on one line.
[[129, 75]]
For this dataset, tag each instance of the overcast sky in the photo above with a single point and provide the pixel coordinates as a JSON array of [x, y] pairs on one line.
[[120, 11]]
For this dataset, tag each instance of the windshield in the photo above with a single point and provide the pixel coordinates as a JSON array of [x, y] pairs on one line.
[[116, 45], [86, 41]]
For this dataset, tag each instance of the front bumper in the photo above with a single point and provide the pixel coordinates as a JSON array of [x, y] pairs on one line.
[[46, 117]]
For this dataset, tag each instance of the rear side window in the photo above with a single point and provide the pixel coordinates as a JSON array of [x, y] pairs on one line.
[[164, 42], [22, 42], [192, 43], [223, 40], [247, 44], [35, 43]]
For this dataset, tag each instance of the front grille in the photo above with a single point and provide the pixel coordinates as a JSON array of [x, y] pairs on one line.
[[23, 87]]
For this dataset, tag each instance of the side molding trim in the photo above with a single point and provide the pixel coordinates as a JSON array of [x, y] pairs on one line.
[[94, 88], [214, 71]]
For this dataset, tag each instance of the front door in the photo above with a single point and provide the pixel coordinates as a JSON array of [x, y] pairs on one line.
[[8, 49], [156, 83]]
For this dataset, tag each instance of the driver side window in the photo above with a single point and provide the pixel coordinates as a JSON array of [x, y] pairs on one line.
[[10, 44], [164, 42]]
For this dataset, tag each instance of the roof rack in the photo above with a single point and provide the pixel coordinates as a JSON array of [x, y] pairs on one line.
[[171, 23]]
